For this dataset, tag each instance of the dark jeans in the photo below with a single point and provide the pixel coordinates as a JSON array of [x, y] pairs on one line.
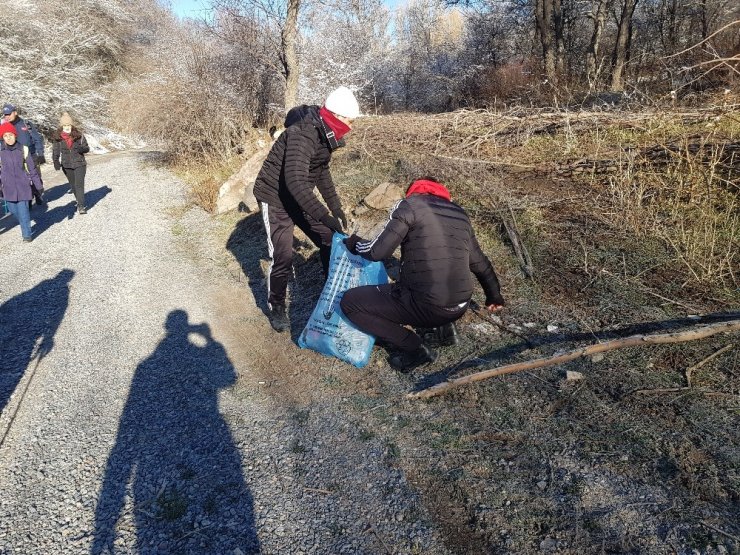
[[76, 178], [279, 225], [384, 310]]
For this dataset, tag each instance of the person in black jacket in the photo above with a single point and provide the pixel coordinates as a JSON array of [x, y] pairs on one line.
[[297, 163], [438, 252], [68, 154]]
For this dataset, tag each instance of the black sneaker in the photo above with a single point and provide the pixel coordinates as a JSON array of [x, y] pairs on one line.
[[82, 210], [27, 239], [278, 318], [443, 336], [407, 361]]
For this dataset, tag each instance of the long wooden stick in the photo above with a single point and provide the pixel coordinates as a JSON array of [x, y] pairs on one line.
[[657, 339]]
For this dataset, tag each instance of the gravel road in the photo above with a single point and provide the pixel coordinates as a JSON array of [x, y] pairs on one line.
[[125, 431]]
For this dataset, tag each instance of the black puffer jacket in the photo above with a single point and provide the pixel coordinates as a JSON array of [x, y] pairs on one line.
[[438, 252], [66, 157], [297, 163]]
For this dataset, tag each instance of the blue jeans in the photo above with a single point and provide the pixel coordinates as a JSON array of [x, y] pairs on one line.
[[20, 210]]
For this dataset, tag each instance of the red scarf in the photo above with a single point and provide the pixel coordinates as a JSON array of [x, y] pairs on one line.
[[339, 127], [427, 187], [68, 139]]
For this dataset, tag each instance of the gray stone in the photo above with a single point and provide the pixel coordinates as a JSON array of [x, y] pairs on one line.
[[383, 197], [238, 190]]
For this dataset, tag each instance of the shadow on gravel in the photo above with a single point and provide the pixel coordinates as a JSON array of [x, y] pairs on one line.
[[503, 355], [248, 244], [29, 322], [174, 469], [45, 220]]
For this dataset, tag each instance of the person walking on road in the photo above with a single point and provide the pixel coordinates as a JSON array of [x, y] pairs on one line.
[[68, 154], [438, 253], [29, 136], [17, 175], [298, 163]]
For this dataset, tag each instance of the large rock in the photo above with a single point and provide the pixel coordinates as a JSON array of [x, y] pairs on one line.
[[384, 196], [239, 187]]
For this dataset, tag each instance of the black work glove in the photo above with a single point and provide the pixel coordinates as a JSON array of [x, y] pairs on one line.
[[332, 223], [341, 216], [352, 241], [41, 159], [57, 166]]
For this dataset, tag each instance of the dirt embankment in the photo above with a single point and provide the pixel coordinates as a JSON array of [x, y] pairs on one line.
[[622, 461]]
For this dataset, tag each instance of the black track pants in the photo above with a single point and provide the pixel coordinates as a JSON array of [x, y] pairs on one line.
[[279, 224], [384, 310], [76, 178]]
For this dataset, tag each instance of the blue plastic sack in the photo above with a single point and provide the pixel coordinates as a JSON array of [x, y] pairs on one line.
[[328, 331]]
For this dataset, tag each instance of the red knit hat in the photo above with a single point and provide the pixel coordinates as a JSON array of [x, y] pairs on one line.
[[8, 127]]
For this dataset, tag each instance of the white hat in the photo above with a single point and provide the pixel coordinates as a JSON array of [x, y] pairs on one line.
[[343, 103]]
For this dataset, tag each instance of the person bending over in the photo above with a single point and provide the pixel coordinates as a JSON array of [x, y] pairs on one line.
[[438, 253], [297, 164]]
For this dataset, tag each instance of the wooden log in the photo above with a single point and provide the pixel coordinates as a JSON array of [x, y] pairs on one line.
[[635, 340]]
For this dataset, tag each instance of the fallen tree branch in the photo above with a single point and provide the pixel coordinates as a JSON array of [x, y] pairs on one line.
[[522, 254], [635, 340]]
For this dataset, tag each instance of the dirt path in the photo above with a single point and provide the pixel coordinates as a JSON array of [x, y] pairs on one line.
[[148, 407]]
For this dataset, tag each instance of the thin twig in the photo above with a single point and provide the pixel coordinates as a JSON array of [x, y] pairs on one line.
[[703, 523], [699, 364], [377, 535], [317, 490]]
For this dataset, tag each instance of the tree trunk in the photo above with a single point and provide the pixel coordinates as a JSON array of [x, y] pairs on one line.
[[544, 21], [559, 26], [621, 48], [592, 56], [289, 38]]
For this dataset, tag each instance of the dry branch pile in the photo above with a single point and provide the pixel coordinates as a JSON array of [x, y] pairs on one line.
[[483, 137]]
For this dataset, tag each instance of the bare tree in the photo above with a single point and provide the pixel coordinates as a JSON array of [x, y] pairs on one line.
[[276, 24], [598, 15], [621, 48]]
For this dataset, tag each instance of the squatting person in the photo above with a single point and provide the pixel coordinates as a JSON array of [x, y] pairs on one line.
[[297, 163], [438, 252]]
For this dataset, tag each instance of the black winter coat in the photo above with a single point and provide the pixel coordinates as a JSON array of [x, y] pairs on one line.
[[297, 163], [438, 252], [70, 158]]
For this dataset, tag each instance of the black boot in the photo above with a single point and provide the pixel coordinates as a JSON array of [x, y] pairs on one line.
[[443, 336], [408, 360], [278, 318]]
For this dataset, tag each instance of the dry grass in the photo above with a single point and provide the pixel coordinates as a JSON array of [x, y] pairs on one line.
[[530, 462], [669, 175]]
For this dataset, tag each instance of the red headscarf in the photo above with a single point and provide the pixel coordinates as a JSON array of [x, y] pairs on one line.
[[428, 187], [339, 127]]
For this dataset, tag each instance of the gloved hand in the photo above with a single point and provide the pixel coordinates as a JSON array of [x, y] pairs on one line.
[[41, 159], [332, 223], [352, 241], [57, 166], [340, 215]]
